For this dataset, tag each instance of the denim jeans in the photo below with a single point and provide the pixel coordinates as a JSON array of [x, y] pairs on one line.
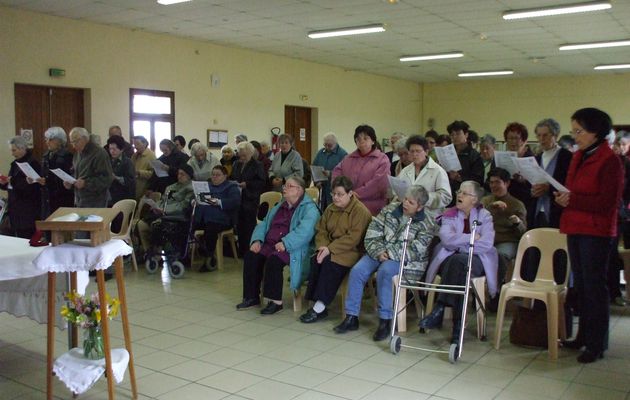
[[360, 274]]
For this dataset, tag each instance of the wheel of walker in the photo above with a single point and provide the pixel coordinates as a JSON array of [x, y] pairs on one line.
[[151, 265], [452, 353], [176, 269], [394, 344]]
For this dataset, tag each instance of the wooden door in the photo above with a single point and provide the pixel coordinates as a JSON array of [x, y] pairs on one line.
[[297, 123], [39, 107]]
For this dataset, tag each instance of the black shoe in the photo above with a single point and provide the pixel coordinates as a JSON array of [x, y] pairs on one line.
[[572, 344], [433, 320], [208, 266], [589, 356], [382, 332], [457, 330], [350, 323], [247, 303], [312, 316], [271, 308]]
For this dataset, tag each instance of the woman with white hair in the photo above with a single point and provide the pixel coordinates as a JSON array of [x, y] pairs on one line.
[[54, 194], [202, 162], [328, 157], [251, 178], [24, 199]]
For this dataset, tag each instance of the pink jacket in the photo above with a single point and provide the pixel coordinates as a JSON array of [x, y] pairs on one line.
[[369, 177]]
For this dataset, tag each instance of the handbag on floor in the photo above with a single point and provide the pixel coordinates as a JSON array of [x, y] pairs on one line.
[[529, 326]]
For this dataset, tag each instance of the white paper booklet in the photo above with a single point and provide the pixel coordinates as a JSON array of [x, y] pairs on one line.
[[447, 157], [158, 167], [317, 173], [28, 170], [63, 175], [534, 173], [399, 186], [505, 160]]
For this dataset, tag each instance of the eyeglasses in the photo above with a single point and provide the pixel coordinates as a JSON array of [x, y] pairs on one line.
[[578, 131], [465, 194], [333, 194], [290, 186]]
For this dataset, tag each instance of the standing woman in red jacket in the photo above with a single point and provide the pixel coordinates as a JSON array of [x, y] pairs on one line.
[[589, 219]]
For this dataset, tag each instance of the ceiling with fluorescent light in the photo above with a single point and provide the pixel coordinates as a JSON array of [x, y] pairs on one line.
[[414, 27]]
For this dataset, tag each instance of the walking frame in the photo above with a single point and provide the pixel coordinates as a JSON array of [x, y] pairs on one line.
[[455, 350]]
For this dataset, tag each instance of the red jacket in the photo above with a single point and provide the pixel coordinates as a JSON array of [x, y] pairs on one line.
[[596, 187]]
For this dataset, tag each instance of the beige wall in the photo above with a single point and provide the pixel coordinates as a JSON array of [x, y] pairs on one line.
[[251, 97], [489, 104]]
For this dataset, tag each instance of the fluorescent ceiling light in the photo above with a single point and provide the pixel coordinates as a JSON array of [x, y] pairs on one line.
[[613, 66], [557, 10], [169, 2], [428, 57], [485, 73], [597, 45], [356, 30]]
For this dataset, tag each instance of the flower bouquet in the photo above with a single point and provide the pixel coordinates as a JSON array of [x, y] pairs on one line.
[[85, 313]]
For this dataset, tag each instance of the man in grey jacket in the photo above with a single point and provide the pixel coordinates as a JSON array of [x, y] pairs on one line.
[[92, 170]]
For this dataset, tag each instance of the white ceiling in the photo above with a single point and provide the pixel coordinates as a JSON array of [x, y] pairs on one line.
[[529, 47]]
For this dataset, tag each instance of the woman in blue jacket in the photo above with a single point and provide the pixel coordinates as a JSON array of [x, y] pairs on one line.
[[283, 237], [216, 212]]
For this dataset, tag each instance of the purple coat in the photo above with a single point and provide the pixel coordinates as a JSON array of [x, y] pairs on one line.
[[452, 239], [369, 177]]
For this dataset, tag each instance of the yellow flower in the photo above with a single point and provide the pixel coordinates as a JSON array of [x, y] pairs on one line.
[[97, 314], [115, 305], [65, 311]]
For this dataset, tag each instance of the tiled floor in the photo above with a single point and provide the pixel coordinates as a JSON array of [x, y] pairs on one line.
[[190, 343]]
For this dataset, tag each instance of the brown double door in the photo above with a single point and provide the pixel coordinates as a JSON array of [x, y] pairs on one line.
[[39, 107], [297, 123]]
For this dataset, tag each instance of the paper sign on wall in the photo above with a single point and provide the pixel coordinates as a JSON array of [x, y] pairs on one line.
[[303, 134]]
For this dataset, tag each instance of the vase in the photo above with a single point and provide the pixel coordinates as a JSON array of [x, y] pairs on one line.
[[93, 347]]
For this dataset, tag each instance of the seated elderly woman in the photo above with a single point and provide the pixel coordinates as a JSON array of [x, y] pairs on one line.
[[175, 202], [24, 199], [451, 254], [172, 158], [282, 238], [339, 244], [384, 243], [202, 162], [216, 212]]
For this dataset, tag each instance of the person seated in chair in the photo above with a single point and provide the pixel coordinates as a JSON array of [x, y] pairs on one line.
[[175, 201], [508, 216], [283, 237], [450, 258], [384, 243], [339, 245], [216, 212]]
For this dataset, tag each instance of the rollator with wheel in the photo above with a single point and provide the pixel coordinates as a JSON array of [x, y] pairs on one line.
[[171, 236], [455, 350]]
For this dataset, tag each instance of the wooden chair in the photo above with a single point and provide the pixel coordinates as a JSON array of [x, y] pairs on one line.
[[544, 288], [128, 208]]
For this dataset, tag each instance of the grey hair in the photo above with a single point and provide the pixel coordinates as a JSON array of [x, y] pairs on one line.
[[247, 146], [227, 146], [623, 135], [19, 142], [284, 138], [488, 139], [401, 144], [418, 193], [330, 135], [81, 132], [242, 137], [56, 132], [96, 139], [298, 180], [397, 135], [264, 143], [552, 124], [477, 188], [141, 139], [197, 147]]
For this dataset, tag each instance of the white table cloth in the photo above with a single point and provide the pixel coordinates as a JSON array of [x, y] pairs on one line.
[[80, 256], [23, 287], [79, 374]]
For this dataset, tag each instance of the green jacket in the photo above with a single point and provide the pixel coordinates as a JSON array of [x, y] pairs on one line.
[[93, 166], [177, 198]]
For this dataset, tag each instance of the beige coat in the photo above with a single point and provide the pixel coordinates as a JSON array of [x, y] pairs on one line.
[[144, 170], [342, 231]]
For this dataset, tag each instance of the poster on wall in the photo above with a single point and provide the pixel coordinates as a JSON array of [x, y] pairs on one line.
[[302, 134], [27, 134], [217, 138]]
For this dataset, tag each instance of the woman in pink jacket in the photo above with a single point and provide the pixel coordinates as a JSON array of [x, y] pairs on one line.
[[368, 169]]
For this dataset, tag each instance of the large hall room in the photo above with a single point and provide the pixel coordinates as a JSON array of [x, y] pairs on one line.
[[165, 137]]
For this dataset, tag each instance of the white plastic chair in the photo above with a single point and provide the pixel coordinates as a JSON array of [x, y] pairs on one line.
[[128, 209]]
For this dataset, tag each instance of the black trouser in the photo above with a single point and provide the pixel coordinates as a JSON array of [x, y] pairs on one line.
[[255, 266], [211, 234], [589, 262], [244, 228], [324, 280], [614, 266], [453, 271]]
